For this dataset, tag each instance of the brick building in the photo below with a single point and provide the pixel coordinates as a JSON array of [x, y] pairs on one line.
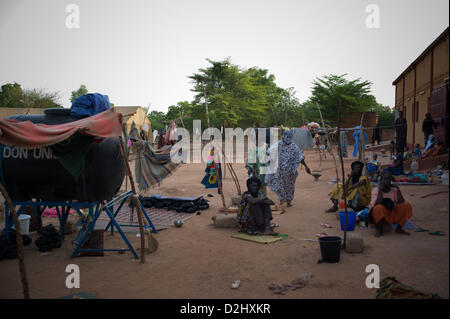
[[423, 87]]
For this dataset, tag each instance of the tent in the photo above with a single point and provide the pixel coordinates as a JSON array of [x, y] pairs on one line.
[[137, 115]]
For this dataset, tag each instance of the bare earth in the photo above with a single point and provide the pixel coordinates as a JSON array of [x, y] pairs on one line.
[[201, 261]]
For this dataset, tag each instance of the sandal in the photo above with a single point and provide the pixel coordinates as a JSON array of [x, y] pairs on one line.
[[321, 235], [421, 230], [437, 233], [326, 225]]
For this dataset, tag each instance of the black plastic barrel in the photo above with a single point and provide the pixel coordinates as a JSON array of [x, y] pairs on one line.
[[330, 247], [37, 174]]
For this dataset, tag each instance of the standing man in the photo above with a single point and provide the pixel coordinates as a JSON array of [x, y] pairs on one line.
[[288, 158], [427, 127], [376, 136], [400, 133]]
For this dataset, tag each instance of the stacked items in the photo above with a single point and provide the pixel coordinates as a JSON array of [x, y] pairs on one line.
[[8, 246], [49, 239], [185, 205]]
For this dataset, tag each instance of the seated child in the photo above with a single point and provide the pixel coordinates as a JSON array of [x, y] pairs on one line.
[[407, 154], [373, 167], [417, 152], [392, 149]]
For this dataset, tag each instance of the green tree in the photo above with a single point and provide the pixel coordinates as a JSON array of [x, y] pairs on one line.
[[354, 95], [386, 116], [41, 99], [80, 92], [233, 95], [11, 95], [157, 118]]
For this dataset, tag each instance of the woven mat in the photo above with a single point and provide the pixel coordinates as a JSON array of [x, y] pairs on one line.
[[158, 216], [258, 239]]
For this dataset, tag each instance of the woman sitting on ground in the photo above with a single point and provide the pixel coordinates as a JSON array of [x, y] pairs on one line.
[[254, 214], [358, 190], [388, 205]]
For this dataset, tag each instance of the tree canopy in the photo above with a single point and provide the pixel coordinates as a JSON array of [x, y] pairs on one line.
[[12, 95], [82, 90]]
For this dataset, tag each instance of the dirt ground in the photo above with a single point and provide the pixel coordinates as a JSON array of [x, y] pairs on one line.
[[201, 261]]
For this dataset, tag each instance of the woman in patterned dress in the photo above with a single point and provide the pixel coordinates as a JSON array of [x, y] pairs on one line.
[[282, 181]]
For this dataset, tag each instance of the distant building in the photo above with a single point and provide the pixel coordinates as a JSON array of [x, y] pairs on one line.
[[422, 88]]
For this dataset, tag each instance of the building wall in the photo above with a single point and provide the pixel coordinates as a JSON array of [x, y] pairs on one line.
[[354, 119], [415, 114]]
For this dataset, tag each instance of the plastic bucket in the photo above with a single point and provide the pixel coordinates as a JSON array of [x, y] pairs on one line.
[[330, 247], [24, 221], [351, 220]]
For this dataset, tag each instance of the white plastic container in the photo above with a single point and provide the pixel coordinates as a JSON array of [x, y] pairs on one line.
[[444, 178], [24, 221]]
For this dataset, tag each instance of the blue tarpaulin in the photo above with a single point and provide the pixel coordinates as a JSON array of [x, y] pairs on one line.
[[89, 104]]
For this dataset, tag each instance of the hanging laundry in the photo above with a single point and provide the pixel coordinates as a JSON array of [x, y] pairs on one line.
[[213, 172], [356, 135]]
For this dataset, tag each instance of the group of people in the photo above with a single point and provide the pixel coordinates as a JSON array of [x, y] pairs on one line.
[[386, 202]]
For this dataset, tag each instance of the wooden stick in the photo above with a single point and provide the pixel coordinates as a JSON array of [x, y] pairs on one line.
[[330, 145], [435, 193], [344, 189], [22, 269], [135, 200]]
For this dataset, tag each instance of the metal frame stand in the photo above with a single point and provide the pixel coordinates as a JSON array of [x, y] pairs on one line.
[[88, 224], [109, 208]]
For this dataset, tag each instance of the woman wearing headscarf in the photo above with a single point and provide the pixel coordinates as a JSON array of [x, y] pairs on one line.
[[254, 214], [358, 190], [287, 160]]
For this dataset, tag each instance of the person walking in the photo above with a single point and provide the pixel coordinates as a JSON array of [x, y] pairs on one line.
[[287, 160]]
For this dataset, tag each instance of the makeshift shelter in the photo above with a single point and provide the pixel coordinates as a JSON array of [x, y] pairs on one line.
[[137, 115]]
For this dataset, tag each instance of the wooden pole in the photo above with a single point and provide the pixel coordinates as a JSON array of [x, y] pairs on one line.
[[361, 140], [330, 146], [135, 200], [22, 269], [344, 188], [206, 107]]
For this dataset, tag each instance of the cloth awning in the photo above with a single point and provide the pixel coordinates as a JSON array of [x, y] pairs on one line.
[[30, 135]]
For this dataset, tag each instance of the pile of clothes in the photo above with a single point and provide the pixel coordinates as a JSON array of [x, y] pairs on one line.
[[49, 239], [8, 245], [179, 204]]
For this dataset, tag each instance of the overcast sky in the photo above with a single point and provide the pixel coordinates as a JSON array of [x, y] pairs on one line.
[[141, 52]]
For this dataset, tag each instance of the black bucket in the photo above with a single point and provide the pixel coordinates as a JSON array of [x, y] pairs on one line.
[[330, 247]]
